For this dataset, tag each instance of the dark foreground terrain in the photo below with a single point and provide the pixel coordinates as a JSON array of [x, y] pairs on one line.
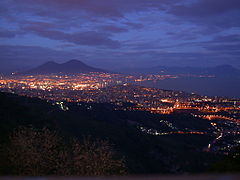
[[129, 132]]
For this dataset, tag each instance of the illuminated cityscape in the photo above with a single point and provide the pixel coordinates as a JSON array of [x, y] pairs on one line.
[[106, 87], [117, 89]]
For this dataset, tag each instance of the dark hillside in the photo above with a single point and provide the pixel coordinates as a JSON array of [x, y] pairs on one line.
[[144, 153]]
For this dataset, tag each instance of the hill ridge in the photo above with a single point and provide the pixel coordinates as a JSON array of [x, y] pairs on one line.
[[70, 67]]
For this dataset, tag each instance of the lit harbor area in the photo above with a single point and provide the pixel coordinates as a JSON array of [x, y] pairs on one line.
[[88, 81], [118, 88]]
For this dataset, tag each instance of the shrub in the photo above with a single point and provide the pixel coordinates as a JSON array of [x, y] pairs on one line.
[[41, 152]]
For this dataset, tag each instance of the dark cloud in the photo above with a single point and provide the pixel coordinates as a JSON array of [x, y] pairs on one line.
[[218, 47], [113, 28], [228, 38], [224, 48], [214, 15], [38, 25], [217, 40], [204, 8], [14, 52], [88, 38], [106, 8], [7, 34], [186, 34], [134, 25]]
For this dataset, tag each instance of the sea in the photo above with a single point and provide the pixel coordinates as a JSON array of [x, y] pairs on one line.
[[209, 86]]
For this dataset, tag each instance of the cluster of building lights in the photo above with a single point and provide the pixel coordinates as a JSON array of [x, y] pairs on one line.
[[119, 89]]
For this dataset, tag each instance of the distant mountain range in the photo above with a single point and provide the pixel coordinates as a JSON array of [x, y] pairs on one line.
[[70, 67], [223, 70], [76, 66]]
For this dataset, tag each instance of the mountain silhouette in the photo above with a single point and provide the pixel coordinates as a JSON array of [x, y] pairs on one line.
[[70, 67]]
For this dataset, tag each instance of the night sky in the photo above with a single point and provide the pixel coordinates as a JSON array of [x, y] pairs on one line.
[[120, 33]]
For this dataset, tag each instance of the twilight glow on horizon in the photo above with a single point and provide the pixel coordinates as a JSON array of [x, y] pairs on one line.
[[120, 33]]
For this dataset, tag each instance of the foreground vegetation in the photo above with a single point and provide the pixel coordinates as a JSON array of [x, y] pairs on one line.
[[32, 152]]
